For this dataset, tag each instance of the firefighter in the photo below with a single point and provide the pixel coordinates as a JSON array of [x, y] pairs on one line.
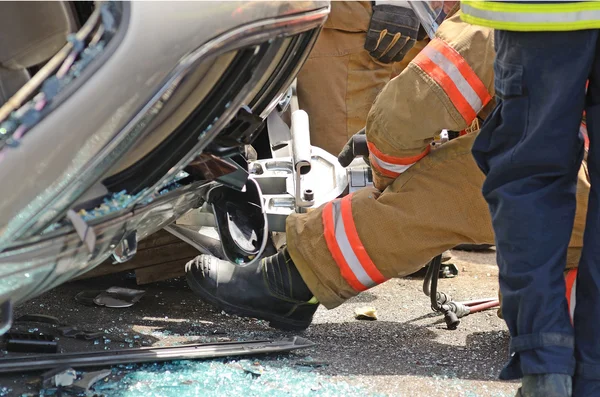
[[530, 151], [349, 245], [351, 62]]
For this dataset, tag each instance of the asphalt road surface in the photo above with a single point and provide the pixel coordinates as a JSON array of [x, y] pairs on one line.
[[406, 352]]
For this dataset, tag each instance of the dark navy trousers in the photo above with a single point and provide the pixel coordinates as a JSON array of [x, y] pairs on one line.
[[530, 149]]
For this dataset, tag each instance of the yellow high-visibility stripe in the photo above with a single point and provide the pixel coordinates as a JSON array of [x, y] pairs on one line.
[[532, 17], [556, 7]]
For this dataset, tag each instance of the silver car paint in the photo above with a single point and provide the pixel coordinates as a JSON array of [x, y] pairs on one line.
[[159, 35]]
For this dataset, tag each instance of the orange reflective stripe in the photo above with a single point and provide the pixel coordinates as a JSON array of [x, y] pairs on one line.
[[335, 251], [357, 246], [465, 69], [453, 74], [397, 160], [391, 166], [346, 248], [438, 75], [570, 281]]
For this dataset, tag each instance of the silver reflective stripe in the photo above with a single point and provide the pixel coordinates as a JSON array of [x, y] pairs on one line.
[[391, 167], [532, 17], [452, 71], [346, 247], [573, 299]]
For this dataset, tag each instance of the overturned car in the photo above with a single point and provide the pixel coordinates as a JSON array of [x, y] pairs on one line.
[[117, 118]]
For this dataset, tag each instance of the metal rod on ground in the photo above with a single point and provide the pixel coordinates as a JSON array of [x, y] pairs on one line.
[[38, 362], [477, 301], [483, 306]]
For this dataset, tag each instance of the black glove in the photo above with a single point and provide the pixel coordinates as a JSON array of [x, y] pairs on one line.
[[392, 32], [356, 146]]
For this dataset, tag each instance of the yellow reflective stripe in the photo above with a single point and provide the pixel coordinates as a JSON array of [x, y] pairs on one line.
[[501, 6], [530, 27], [532, 17]]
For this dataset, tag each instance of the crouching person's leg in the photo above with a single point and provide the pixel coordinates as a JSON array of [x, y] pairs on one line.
[[359, 241], [352, 244], [355, 243]]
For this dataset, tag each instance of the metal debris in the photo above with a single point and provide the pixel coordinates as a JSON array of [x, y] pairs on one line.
[[150, 354], [365, 313], [30, 343], [88, 379], [58, 377], [448, 270]]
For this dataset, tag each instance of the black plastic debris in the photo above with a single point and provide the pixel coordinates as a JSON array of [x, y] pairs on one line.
[[37, 318], [448, 270], [114, 297], [311, 363], [30, 343], [76, 333]]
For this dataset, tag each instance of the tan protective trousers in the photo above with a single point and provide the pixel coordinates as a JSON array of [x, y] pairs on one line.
[[340, 80], [434, 206]]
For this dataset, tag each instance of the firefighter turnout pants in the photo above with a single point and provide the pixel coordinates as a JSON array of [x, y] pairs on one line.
[[364, 239]]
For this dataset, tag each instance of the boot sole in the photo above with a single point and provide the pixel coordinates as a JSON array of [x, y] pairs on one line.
[[275, 321]]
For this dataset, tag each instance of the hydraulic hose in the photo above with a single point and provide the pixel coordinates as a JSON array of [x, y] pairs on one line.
[[430, 285], [442, 303]]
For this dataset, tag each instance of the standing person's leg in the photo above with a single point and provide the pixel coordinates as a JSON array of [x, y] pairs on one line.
[[587, 310], [530, 150]]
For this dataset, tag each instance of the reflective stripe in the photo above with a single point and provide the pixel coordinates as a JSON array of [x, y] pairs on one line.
[[584, 132], [532, 17], [329, 215], [346, 248], [387, 169], [453, 74], [571, 282], [457, 78], [391, 166]]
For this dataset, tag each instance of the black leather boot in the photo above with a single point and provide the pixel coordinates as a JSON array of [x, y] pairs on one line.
[[270, 290]]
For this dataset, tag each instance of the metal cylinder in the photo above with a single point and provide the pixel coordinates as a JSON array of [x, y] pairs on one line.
[[301, 150], [309, 195]]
